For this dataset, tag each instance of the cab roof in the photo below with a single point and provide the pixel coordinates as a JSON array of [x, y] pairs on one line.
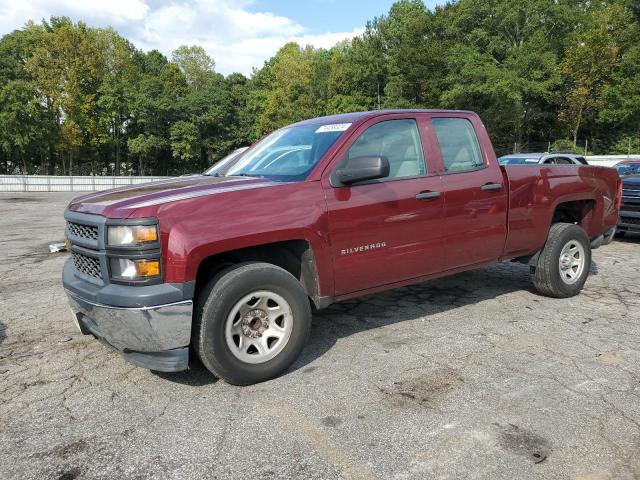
[[362, 116]]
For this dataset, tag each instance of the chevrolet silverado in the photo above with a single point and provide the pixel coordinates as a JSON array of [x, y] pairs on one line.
[[228, 267]]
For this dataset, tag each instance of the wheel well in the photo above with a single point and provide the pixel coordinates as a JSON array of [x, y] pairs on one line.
[[294, 256], [578, 212]]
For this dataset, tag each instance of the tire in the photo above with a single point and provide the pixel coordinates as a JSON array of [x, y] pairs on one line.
[[620, 233], [564, 263], [252, 321]]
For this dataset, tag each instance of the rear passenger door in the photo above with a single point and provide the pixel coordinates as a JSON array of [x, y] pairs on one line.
[[475, 193]]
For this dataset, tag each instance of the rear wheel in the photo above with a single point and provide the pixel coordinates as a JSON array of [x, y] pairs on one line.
[[252, 324], [564, 263]]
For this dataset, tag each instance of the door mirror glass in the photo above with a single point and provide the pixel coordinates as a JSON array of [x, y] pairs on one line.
[[360, 169]]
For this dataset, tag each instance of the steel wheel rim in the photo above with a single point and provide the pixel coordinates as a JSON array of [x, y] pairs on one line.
[[258, 327], [572, 262]]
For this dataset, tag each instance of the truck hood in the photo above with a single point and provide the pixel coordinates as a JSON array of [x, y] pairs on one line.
[[122, 202]]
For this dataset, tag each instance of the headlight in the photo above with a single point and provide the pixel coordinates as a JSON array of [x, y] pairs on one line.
[[134, 269], [123, 235]]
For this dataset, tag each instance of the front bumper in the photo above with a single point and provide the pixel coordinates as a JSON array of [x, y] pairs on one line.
[[629, 221], [154, 337]]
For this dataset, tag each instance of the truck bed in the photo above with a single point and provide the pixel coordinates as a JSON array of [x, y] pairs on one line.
[[535, 191]]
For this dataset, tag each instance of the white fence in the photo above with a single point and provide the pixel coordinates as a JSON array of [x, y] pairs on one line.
[[49, 183]]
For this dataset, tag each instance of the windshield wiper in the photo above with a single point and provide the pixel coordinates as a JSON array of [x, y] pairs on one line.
[[245, 175]]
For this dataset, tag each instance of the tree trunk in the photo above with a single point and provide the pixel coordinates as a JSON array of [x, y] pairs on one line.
[[70, 163], [577, 128], [116, 135], [24, 164], [52, 164]]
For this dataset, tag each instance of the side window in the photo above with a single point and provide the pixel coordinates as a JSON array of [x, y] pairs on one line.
[[398, 141], [458, 144], [563, 161]]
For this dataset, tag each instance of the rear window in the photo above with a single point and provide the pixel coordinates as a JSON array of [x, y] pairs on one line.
[[458, 144]]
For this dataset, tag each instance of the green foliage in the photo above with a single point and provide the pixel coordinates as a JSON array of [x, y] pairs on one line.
[[185, 141], [563, 144], [629, 145], [145, 147], [194, 63], [80, 99]]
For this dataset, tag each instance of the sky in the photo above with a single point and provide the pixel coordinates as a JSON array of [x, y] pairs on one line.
[[238, 34]]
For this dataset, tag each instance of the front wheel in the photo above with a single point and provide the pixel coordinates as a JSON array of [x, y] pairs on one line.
[[564, 263], [252, 324]]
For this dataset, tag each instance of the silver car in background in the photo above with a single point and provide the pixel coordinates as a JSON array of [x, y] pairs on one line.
[[556, 158], [224, 162]]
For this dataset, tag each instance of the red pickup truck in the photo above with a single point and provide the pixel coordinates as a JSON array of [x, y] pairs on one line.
[[228, 266]]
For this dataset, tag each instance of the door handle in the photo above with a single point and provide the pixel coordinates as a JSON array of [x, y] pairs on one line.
[[487, 187], [427, 195]]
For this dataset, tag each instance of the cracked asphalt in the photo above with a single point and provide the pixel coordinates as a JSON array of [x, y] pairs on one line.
[[471, 376]]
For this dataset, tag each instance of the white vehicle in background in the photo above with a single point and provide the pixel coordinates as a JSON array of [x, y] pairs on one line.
[[556, 158], [224, 162]]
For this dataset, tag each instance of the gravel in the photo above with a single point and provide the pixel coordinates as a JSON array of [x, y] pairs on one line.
[[470, 376]]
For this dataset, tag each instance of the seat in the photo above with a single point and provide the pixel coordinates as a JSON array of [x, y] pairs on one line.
[[403, 159]]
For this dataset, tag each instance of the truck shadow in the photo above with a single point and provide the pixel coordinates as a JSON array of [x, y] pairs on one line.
[[408, 303], [394, 306], [3, 334], [196, 376], [630, 237]]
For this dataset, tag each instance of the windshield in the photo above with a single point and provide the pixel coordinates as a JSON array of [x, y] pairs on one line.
[[288, 154], [628, 169]]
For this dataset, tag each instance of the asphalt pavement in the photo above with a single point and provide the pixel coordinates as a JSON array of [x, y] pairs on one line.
[[471, 376]]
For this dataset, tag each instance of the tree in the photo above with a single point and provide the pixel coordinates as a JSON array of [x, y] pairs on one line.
[[115, 93], [185, 141], [194, 63], [588, 66], [146, 147], [77, 99], [66, 71], [22, 125]]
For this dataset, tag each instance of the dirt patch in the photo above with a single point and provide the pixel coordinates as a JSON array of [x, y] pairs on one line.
[[425, 390], [70, 474], [331, 421], [609, 358], [70, 449], [523, 442]]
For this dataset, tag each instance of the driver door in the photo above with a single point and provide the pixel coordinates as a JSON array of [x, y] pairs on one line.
[[387, 230]]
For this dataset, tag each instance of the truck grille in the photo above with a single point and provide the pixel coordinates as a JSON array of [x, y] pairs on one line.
[[88, 265], [630, 207], [630, 220], [90, 232]]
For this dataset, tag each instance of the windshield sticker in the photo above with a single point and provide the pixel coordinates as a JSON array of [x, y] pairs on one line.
[[336, 127]]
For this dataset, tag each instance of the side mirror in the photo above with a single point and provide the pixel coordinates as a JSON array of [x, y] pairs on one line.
[[359, 169]]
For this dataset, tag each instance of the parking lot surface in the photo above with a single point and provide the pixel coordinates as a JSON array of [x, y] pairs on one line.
[[471, 376]]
